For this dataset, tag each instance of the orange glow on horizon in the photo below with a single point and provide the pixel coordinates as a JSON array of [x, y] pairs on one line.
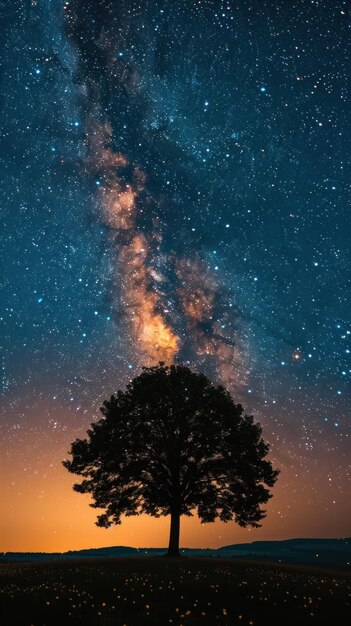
[[43, 513]]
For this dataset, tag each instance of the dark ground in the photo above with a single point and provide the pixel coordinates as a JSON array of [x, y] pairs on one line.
[[161, 591]]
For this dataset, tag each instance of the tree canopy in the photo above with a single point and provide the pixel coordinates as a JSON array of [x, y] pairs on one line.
[[173, 444]]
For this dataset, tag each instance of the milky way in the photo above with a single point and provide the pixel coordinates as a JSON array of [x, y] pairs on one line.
[[175, 186], [111, 73]]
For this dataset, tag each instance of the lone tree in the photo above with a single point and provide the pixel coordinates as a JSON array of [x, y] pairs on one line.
[[173, 443]]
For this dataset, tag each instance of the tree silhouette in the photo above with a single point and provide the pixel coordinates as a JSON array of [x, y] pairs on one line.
[[171, 444]]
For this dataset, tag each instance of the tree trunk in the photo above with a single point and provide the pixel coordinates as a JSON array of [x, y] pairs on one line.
[[173, 547]]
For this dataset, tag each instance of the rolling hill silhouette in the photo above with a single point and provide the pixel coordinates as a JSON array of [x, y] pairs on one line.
[[327, 552]]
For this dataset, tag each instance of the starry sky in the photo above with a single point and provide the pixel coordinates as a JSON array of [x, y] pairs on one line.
[[175, 182]]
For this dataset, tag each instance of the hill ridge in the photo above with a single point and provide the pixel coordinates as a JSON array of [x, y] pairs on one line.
[[332, 552]]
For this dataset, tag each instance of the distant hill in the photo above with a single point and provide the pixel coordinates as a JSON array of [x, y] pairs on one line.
[[325, 552]]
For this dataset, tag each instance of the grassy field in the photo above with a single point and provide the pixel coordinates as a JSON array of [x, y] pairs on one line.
[[152, 591]]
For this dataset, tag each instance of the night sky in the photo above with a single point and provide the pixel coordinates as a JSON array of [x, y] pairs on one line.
[[175, 181]]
